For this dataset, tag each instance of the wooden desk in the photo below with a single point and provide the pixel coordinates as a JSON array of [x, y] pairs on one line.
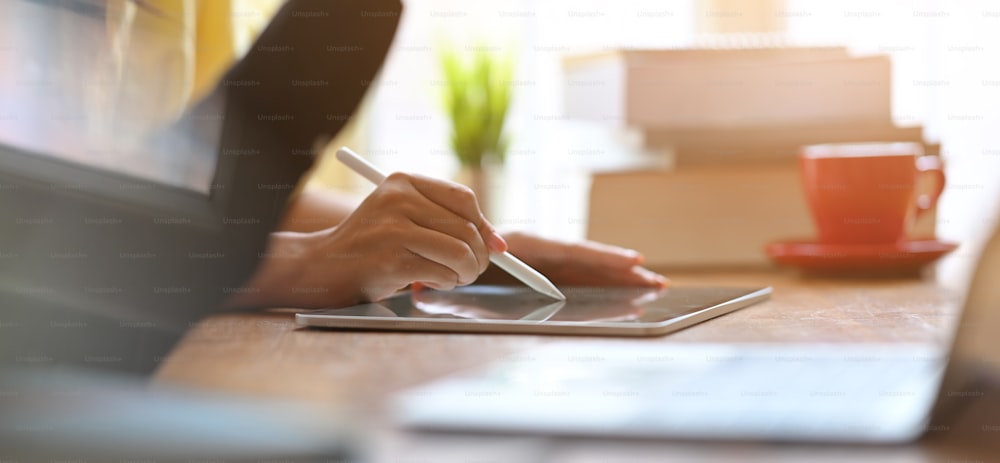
[[265, 354]]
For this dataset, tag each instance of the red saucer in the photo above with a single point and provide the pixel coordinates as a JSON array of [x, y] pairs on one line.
[[889, 258]]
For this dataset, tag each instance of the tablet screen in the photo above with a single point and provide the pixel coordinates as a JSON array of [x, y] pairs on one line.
[[513, 304]]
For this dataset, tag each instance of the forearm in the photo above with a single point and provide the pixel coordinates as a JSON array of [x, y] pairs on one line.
[[317, 209], [279, 280]]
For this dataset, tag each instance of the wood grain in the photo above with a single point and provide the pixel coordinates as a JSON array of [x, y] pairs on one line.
[[265, 354]]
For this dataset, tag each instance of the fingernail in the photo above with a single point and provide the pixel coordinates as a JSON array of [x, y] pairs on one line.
[[652, 278], [497, 243], [637, 256]]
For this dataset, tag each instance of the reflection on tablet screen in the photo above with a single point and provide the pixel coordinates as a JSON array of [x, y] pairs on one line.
[[622, 305]]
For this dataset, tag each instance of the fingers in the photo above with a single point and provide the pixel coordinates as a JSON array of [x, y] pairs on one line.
[[417, 215], [607, 255], [427, 272], [644, 277], [585, 264], [408, 269], [585, 253], [635, 276], [604, 256], [435, 217], [447, 251], [458, 199], [600, 255]]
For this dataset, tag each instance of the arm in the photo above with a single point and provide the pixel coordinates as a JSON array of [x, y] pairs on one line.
[[317, 259], [411, 229]]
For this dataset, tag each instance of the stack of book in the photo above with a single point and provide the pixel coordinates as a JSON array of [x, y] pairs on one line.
[[733, 122]]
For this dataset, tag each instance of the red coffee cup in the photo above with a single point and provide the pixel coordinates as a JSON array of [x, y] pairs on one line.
[[866, 193]]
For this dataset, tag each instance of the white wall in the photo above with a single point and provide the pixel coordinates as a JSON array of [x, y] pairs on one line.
[[946, 77]]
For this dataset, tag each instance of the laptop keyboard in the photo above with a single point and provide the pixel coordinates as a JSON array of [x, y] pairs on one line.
[[788, 394], [652, 389]]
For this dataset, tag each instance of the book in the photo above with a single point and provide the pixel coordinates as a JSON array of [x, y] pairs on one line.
[[769, 144], [701, 89], [732, 54]]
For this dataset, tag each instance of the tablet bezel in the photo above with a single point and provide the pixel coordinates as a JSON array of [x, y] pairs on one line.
[[328, 318]]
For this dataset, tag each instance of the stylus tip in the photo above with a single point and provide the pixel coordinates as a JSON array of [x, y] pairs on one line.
[[554, 293]]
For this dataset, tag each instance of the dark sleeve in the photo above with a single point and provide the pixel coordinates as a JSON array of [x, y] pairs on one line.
[[175, 258], [299, 84]]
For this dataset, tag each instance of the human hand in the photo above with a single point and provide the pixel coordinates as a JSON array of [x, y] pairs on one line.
[[411, 229], [415, 229], [586, 263]]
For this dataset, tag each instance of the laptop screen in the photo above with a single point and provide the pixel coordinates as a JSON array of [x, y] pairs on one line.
[[99, 84]]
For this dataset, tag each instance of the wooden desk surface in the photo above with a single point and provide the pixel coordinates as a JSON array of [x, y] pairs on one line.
[[266, 354]]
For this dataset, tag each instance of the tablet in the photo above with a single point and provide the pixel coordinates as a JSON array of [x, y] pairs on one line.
[[510, 309]]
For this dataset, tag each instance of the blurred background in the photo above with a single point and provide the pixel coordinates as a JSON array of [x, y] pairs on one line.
[[941, 86], [668, 126], [548, 108]]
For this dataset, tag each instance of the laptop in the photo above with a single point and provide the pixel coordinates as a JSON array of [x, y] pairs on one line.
[[862, 393]]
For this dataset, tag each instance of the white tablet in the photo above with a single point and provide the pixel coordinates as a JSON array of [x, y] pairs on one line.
[[515, 309]]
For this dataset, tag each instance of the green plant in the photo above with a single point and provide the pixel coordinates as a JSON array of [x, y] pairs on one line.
[[477, 92]]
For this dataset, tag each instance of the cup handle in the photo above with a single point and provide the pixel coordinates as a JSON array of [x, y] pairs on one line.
[[930, 165]]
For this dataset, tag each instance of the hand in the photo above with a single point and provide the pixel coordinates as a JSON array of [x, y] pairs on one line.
[[411, 229], [577, 264]]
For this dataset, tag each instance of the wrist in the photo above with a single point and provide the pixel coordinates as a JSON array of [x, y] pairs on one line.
[[288, 276], [277, 269]]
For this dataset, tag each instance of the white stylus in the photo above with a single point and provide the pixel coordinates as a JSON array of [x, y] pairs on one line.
[[505, 261]]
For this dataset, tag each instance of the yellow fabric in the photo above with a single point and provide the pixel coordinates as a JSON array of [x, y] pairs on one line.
[[214, 48], [224, 30], [172, 52], [153, 50]]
